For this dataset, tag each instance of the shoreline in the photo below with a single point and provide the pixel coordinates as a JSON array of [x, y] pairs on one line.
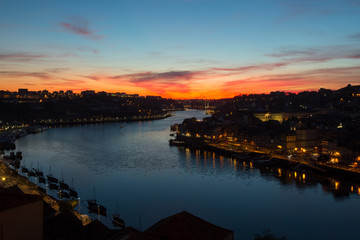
[[12, 178], [248, 155], [9, 178], [41, 127], [133, 119]]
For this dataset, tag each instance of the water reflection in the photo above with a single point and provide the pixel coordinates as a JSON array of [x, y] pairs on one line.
[[199, 161], [135, 166]]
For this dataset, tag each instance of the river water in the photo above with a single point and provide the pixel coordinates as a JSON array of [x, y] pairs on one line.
[[133, 165]]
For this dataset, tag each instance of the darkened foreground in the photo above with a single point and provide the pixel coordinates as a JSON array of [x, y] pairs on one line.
[[26, 216]]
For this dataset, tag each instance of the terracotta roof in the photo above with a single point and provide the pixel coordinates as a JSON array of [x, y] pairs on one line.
[[184, 225], [13, 200]]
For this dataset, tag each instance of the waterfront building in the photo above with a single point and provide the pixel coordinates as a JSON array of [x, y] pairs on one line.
[[307, 138]]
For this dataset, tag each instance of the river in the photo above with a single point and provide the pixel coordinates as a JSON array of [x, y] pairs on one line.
[[132, 164]]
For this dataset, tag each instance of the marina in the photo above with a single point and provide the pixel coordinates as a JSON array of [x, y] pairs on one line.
[[135, 163]]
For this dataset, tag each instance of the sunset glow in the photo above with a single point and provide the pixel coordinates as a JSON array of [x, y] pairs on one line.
[[179, 48]]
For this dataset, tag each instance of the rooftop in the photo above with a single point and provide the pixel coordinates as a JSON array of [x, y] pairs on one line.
[[184, 225], [13, 200]]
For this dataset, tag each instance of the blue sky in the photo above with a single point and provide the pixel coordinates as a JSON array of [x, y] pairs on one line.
[[180, 48]]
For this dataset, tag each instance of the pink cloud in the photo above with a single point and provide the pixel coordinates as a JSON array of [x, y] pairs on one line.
[[266, 66], [171, 76], [80, 26], [66, 82], [20, 57], [321, 54], [161, 77], [57, 70], [311, 79], [162, 83], [41, 75], [220, 81]]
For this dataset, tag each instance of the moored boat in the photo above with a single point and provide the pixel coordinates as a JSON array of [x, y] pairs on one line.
[[53, 186], [52, 179], [38, 173], [93, 207], [63, 194], [15, 163], [173, 142], [37, 129], [19, 155], [42, 179], [117, 221], [63, 185], [73, 193]]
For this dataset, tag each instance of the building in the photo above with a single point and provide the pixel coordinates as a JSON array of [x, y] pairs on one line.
[[88, 92], [184, 225], [23, 91], [290, 141], [306, 138], [21, 216]]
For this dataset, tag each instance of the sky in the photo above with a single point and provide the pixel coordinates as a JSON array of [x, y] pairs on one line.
[[179, 48]]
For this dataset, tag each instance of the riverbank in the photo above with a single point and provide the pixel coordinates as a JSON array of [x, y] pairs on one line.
[[10, 178], [10, 135], [251, 154], [79, 121]]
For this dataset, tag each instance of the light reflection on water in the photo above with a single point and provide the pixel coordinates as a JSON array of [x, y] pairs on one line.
[[132, 163]]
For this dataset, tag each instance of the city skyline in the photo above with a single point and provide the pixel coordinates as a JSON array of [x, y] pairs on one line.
[[180, 48]]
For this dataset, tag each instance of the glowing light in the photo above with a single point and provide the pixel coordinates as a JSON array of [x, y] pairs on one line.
[[3, 178], [187, 154], [336, 185]]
